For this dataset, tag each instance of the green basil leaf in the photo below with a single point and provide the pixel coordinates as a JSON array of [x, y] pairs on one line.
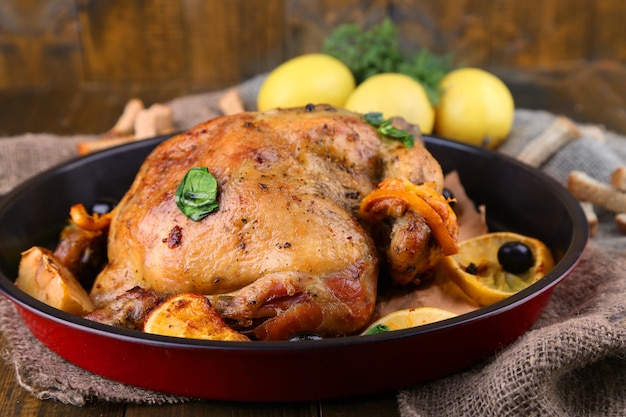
[[196, 195], [386, 128]]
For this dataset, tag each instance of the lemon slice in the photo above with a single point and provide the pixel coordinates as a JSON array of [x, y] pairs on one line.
[[479, 273], [190, 316], [404, 319]]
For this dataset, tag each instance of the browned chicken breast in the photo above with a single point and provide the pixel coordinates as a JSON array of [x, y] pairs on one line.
[[290, 249]]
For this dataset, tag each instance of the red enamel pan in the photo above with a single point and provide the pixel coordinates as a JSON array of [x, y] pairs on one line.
[[518, 198]]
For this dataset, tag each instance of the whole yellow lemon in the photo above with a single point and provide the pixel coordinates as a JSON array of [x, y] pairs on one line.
[[393, 95], [310, 78], [476, 107]]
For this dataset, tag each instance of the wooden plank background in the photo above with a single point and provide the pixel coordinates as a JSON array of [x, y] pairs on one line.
[[79, 53]]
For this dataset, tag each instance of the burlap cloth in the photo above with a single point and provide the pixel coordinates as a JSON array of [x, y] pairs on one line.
[[571, 363]]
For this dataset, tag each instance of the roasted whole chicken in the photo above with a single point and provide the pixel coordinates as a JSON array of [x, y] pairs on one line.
[[314, 205]]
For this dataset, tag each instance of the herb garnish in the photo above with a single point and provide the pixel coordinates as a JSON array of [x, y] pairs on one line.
[[377, 329], [429, 69], [365, 52], [196, 195], [386, 128], [376, 50]]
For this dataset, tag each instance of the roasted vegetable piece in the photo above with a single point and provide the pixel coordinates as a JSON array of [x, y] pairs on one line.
[[82, 246], [44, 277], [84, 220], [84, 252], [189, 315]]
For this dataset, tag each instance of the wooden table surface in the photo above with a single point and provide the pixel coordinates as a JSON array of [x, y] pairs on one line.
[[593, 96]]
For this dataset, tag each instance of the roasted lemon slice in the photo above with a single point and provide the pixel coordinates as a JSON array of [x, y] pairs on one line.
[[191, 316], [412, 317], [492, 267]]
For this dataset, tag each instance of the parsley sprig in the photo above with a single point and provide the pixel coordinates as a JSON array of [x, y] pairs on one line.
[[429, 69], [386, 128], [375, 50], [365, 52]]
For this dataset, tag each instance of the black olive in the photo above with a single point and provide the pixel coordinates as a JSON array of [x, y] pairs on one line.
[[515, 257], [448, 195], [298, 337], [472, 269]]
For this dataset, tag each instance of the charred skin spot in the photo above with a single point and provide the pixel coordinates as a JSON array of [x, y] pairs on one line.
[[175, 238]]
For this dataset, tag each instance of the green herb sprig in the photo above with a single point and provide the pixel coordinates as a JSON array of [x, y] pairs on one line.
[[196, 195], [367, 52], [429, 69], [386, 128], [379, 328]]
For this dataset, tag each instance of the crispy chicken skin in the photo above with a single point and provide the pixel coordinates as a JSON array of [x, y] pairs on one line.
[[285, 252]]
